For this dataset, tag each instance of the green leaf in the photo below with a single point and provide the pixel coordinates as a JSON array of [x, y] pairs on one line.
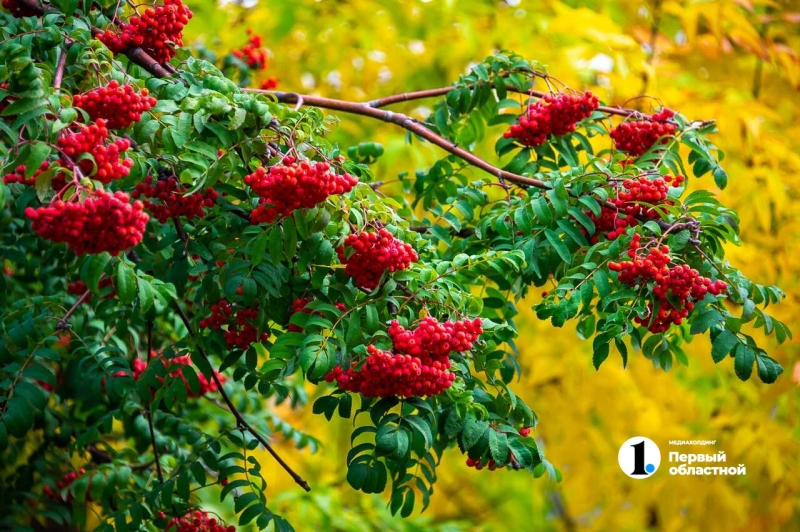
[[559, 197], [600, 350], [258, 249], [146, 296], [720, 177], [542, 210], [3, 194], [558, 245], [92, 270], [357, 474], [743, 361], [768, 371], [420, 426], [39, 152], [723, 345], [125, 283], [289, 238], [704, 320], [472, 432], [498, 446]]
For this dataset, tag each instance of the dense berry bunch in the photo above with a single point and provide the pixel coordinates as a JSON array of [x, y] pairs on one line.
[[173, 200], [294, 185], [419, 364], [387, 375], [18, 9], [630, 200], [639, 136], [372, 255], [91, 140], [299, 305], [155, 31], [432, 341], [252, 53], [240, 332], [18, 175], [103, 222], [119, 106], [197, 521], [65, 482], [555, 114], [674, 289]]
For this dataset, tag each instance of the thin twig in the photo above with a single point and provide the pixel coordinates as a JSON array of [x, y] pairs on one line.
[[60, 66], [240, 421], [149, 411], [432, 93], [63, 323]]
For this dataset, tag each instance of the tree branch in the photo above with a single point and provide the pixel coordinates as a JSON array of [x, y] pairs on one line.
[[407, 123], [432, 93], [241, 422]]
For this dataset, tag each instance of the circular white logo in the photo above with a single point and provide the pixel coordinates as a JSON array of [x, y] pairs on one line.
[[639, 457]]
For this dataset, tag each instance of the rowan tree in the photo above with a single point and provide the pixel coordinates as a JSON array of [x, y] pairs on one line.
[[181, 253]]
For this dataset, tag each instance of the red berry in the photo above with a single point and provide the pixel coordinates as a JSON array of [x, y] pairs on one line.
[[102, 222], [292, 185], [155, 31], [555, 114], [119, 106], [372, 255], [639, 136]]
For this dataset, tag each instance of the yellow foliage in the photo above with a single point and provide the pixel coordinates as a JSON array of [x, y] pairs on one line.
[[732, 61]]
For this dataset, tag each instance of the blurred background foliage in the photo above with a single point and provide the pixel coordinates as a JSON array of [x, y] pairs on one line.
[[731, 60]]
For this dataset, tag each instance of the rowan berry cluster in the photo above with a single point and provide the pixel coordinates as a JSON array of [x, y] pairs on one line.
[[18, 175], [240, 332], [173, 200], [675, 289], [120, 106], [294, 185], [630, 202], [299, 305], [105, 158], [639, 136], [252, 53], [372, 255], [555, 114], [419, 366], [385, 374], [65, 482], [155, 31], [432, 341], [197, 521], [18, 9], [103, 222]]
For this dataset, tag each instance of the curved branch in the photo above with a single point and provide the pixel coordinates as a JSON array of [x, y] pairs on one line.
[[405, 122], [432, 93]]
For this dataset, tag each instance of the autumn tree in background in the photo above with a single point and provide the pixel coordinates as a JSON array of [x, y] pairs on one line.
[[179, 249]]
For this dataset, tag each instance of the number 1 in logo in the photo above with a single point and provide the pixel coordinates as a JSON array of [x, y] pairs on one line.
[[639, 457]]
